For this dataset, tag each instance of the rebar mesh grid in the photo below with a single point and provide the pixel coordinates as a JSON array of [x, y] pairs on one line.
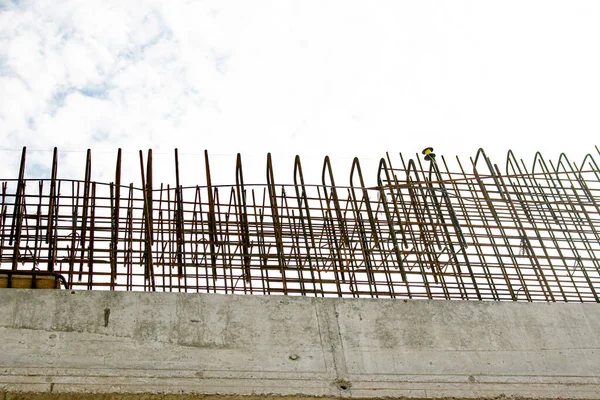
[[476, 233]]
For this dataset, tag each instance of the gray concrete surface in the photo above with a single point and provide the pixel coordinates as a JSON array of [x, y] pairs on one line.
[[56, 342]]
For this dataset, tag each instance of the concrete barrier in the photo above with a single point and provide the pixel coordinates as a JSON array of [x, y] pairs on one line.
[[59, 342]]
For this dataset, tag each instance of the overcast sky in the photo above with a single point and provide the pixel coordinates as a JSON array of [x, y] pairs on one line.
[[344, 78]]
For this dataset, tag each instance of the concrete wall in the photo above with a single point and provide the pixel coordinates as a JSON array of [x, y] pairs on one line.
[[113, 342]]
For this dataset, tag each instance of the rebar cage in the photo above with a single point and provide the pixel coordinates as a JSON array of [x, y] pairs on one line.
[[478, 233]]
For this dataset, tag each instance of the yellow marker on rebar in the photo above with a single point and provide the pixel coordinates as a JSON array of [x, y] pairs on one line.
[[428, 152]]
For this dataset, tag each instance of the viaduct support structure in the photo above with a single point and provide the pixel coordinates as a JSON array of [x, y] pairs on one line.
[[434, 281]]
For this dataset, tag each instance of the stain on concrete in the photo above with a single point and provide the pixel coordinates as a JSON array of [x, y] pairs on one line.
[[106, 316]]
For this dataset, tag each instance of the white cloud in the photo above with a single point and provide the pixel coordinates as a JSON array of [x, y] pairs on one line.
[[315, 78]]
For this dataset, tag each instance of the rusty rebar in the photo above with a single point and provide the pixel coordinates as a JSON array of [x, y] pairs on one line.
[[423, 231]]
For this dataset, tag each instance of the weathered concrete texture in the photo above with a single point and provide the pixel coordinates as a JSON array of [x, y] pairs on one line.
[[131, 343]]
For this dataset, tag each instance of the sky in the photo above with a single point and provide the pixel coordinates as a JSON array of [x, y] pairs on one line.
[[314, 78]]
